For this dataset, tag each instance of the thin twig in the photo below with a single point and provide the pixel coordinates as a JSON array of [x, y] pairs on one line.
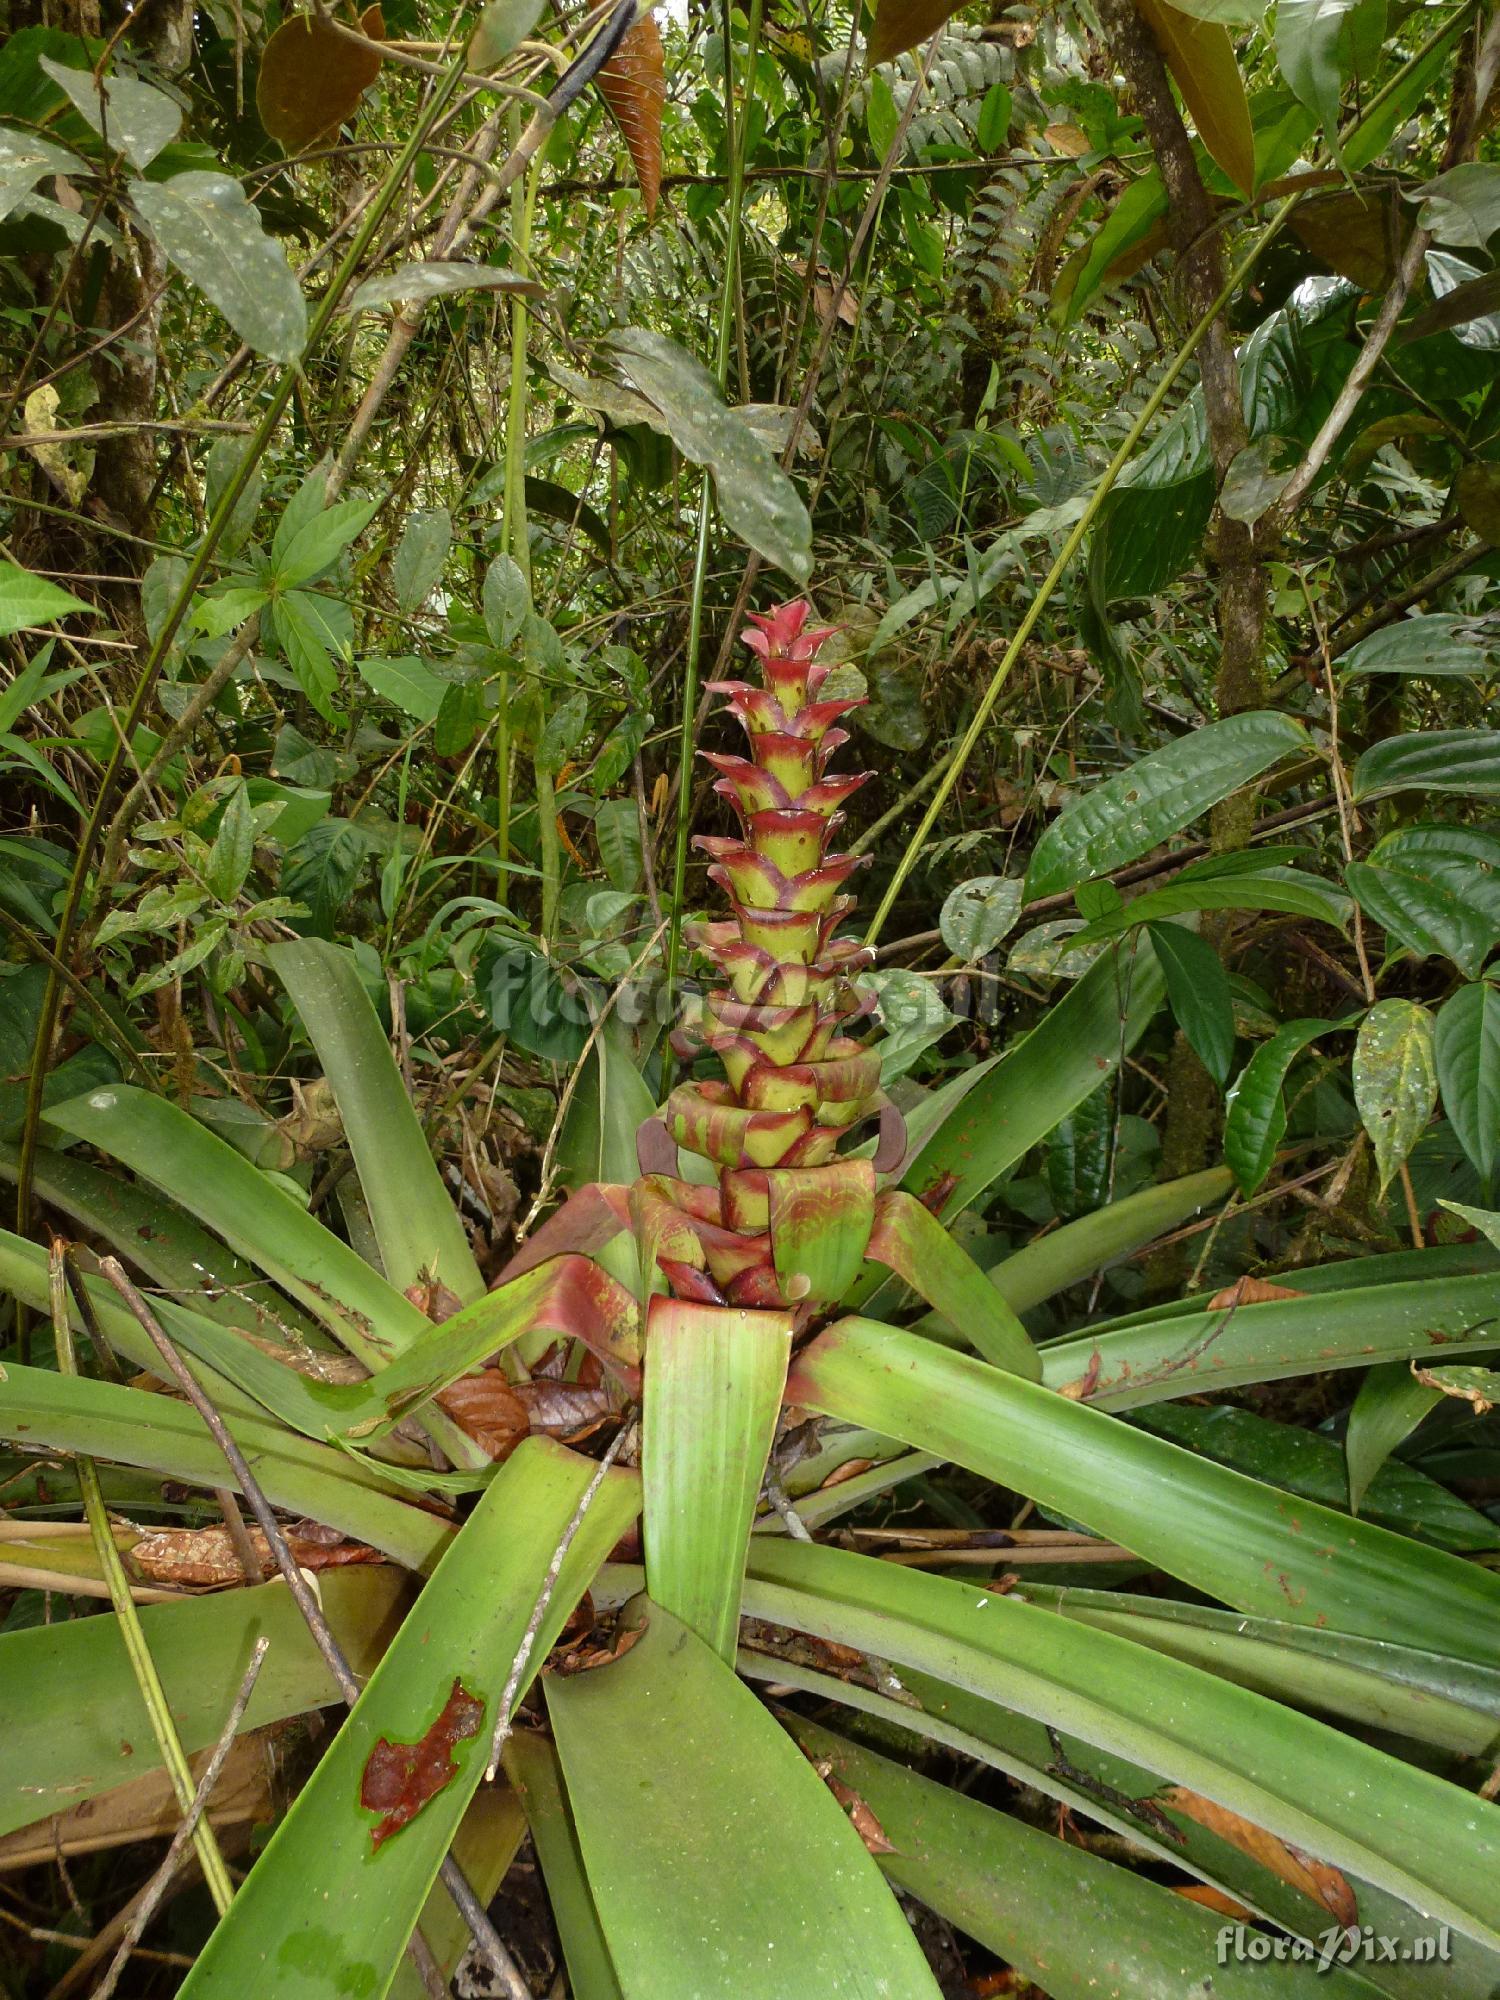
[[512, 1689], [156, 1888], [453, 1878]]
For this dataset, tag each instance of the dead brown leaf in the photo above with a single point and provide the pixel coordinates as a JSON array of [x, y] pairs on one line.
[[205, 1559], [312, 77], [487, 1407], [1317, 1880], [633, 83], [1251, 1292]]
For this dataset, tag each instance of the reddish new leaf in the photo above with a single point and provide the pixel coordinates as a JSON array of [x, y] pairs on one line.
[[312, 76], [633, 83], [400, 1778]]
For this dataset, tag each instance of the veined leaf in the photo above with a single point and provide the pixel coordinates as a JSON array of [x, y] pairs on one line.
[[415, 284], [700, 1903], [759, 503], [24, 160], [1255, 1116], [1286, 889], [1199, 993], [1436, 890], [713, 1394], [633, 83], [1196, 1352], [1435, 646], [33, 600], [417, 567], [312, 77], [1395, 1080], [77, 1668], [132, 117], [1320, 44], [1158, 796], [1328, 1793], [1435, 760], [1238, 1541], [214, 237], [418, 1227], [1466, 1048], [1200, 55], [333, 1899]]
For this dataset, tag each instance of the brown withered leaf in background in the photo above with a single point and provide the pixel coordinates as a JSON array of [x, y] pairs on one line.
[[861, 1818], [312, 77], [1250, 1292], [901, 24], [633, 83], [487, 1408], [400, 1778], [1315, 1879], [564, 1410], [204, 1558], [1210, 1898]]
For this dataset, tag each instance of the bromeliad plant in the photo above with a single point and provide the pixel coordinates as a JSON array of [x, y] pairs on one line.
[[697, 1842]]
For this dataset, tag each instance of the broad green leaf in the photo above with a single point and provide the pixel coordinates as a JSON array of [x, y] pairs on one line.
[[211, 1181], [1286, 889], [1254, 1113], [1462, 206], [1198, 994], [532, 1766], [759, 503], [978, 914], [214, 237], [418, 1227], [713, 1396], [1436, 890], [501, 25], [314, 631], [507, 601], [1390, 1404], [911, 1241], [1328, 1793], [1436, 760], [1434, 646], [488, 1840], [1076, 1169], [1320, 44], [407, 683], [415, 284], [721, 1866], [75, 1724], [1466, 1049], [33, 600], [1061, 1917], [1305, 1463], [24, 160], [1076, 1046], [1158, 796], [1200, 55], [132, 117], [333, 1898], [317, 543], [1236, 1540], [992, 126], [110, 1421], [1092, 1243], [1196, 1351], [204, 944], [881, 116], [417, 567], [234, 846], [1395, 1080], [225, 456]]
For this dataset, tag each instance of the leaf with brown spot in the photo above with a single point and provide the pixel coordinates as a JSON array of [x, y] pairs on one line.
[[1250, 1292], [633, 83], [1317, 1880], [312, 76], [400, 1778]]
